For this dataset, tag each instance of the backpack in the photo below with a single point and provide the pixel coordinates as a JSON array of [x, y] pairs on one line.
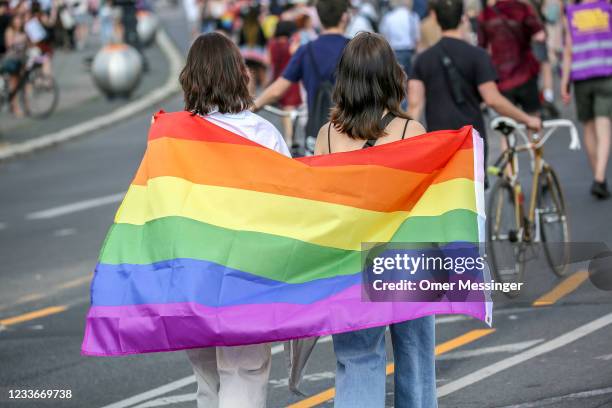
[[319, 114]]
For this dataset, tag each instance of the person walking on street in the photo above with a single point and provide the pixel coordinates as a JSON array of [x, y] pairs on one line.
[[314, 65], [215, 85], [452, 78], [363, 18], [401, 27], [507, 29], [279, 48], [369, 89], [587, 64]]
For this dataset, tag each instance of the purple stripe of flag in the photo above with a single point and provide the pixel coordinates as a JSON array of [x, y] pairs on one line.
[[120, 330]]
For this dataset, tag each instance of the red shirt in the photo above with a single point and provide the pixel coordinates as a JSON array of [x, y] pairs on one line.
[[279, 58], [506, 30]]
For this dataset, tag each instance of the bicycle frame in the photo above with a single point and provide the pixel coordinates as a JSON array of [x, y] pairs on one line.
[[509, 160], [23, 79]]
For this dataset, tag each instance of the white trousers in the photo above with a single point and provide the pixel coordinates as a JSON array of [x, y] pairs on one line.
[[231, 377]]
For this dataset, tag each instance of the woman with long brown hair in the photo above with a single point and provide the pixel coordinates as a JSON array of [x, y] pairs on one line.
[[215, 86], [370, 85]]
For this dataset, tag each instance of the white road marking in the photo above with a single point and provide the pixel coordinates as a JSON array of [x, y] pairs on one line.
[[504, 348], [162, 402], [284, 382], [554, 400], [175, 60], [155, 392], [445, 319], [606, 357], [450, 319], [509, 362], [75, 207], [175, 399], [64, 232], [183, 382], [278, 348]]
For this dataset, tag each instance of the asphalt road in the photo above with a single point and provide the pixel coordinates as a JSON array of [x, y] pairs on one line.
[[56, 206]]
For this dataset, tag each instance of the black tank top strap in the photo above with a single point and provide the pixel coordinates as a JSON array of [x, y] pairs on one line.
[[405, 127], [329, 137], [369, 143], [388, 118], [384, 122]]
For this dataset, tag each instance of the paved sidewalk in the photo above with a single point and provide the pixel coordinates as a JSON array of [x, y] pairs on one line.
[[79, 99]]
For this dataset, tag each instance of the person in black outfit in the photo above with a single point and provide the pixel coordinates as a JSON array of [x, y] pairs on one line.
[[5, 20], [452, 78]]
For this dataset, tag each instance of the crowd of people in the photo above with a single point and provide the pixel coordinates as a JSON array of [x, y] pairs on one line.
[[507, 54], [42, 26], [38, 27]]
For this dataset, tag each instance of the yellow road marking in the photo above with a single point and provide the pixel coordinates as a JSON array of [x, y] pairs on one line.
[[75, 282], [564, 288], [51, 291], [30, 298], [440, 349], [462, 340], [36, 314]]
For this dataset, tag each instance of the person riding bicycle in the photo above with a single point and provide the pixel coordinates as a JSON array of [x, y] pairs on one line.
[[587, 64], [16, 43]]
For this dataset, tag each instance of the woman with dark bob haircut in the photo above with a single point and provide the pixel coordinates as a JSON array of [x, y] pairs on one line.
[[370, 85], [215, 85]]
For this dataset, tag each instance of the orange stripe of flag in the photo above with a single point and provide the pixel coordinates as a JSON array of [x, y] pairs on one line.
[[256, 169]]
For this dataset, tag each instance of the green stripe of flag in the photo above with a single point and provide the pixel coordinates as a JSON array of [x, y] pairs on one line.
[[269, 256]]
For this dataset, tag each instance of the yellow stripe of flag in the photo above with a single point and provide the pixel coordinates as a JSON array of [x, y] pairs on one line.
[[317, 222]]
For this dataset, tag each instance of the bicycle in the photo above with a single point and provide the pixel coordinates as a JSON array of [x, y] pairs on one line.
[[545, 223], [295, 115], [38, 91]]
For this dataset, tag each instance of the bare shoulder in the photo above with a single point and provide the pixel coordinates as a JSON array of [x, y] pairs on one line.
[[415, 128], [323, 130], [321, 146]]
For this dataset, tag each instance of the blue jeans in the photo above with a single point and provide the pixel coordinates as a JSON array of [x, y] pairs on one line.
[[362, 359], [404, 58]]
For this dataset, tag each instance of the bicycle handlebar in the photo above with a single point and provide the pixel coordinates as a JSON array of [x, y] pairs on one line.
[[507, 126]]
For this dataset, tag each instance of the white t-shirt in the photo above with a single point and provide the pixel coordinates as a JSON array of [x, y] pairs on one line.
[[35, 30], [401, 27], [251, 126]]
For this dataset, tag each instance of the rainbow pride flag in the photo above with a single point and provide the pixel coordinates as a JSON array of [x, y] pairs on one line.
[[221, 241]]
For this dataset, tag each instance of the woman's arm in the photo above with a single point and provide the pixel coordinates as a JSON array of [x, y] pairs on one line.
[[416, 98]]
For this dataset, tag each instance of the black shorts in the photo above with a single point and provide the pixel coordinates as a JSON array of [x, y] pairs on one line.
[[526, 96]]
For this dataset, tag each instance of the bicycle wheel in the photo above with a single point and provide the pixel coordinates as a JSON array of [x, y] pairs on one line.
[[39, 95], [504, 247], [554, 226]]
